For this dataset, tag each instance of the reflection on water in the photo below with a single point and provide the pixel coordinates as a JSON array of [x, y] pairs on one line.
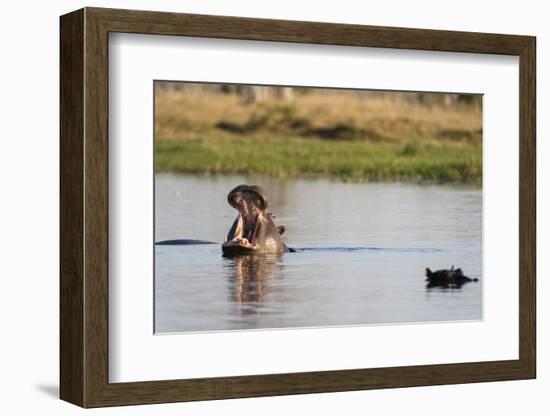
[[248, 278], [361, 259]]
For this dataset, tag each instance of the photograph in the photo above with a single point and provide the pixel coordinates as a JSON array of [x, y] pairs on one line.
[[286, 207]]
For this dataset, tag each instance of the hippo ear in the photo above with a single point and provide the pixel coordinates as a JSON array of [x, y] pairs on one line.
[[428, 272], [281, 229]]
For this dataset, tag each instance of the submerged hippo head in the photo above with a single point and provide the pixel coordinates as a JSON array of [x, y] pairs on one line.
[[253, 231], [453, 278]]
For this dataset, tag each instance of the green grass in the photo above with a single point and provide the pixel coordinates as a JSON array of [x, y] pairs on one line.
[[312, 157]]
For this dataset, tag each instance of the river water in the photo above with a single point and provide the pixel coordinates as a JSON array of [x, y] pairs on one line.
[[362, 253]]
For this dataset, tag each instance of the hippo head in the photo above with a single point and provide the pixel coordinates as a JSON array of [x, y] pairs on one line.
[[253, 231], [248, 198]]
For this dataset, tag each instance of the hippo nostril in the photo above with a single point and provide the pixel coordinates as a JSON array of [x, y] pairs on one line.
[[248, 192]]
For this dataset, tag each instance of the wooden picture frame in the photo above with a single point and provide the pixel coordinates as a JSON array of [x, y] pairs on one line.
[[84, 207]]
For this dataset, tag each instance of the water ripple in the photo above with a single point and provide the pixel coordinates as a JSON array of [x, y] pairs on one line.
[[376, 249]]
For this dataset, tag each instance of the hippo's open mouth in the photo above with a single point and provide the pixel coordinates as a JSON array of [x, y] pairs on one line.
[[253, 231], [251, 203]]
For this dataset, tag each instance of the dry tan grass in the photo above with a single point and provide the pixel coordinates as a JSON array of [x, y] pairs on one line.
[[389, 117]]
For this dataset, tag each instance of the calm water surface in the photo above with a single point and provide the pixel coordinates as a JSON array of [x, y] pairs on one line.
[[363, 252]]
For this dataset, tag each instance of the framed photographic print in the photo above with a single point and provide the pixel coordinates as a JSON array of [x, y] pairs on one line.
[[255, 207]]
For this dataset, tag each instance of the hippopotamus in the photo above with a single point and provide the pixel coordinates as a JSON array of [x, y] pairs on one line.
[[253, 231], [453, 278]]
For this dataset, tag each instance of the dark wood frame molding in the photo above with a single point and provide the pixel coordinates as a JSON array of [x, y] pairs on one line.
[[84, 209]]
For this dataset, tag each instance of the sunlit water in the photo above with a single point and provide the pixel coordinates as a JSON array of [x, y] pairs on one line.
[[363, 250]]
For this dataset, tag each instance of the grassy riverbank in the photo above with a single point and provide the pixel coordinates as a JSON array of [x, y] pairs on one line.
[[313, 157], [329, 135]]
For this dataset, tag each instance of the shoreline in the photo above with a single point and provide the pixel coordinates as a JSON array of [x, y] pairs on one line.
[[473, 184]]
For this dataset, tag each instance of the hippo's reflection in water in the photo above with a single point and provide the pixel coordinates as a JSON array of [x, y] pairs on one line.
[[249, 277]]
